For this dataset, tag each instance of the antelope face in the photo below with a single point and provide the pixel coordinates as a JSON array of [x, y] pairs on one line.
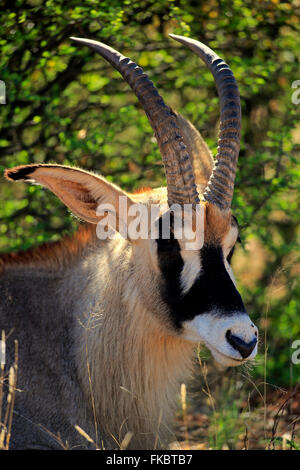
[[199, 288]]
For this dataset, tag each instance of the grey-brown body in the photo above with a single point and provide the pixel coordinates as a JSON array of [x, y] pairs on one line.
[[39, 308], [90, 352]]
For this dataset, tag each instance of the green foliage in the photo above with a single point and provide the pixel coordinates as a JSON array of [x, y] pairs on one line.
[[66, 105]]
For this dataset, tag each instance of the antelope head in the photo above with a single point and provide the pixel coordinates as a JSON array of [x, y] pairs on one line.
[[193, 292]]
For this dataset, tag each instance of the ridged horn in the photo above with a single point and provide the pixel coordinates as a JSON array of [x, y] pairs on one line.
[[177, 162], [219, 190]]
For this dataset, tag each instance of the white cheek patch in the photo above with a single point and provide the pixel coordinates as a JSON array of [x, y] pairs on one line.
[[230, 272], [191, 269]]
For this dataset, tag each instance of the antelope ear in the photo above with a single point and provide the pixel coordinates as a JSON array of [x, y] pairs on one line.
[[82, 192]]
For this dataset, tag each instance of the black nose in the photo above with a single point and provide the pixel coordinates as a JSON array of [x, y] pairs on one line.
[[245, 349]]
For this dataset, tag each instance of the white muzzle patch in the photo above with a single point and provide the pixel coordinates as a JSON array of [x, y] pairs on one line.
[[231, 339]]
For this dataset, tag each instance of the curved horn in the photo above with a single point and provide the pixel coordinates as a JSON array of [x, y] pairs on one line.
[[179, 172], [219, 190]]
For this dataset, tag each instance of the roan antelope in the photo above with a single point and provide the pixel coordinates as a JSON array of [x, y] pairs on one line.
[[107, 328]]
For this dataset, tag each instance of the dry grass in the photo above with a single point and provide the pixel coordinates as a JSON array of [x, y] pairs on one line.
[[235, 417], [8, 387]]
